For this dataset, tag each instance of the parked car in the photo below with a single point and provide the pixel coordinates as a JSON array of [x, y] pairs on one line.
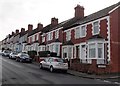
[[23, 57], [1, 52], [12, 55], [6, 53], [54, 63]]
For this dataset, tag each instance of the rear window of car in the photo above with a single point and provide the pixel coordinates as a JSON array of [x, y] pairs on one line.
[[61, 60], [24, 55]]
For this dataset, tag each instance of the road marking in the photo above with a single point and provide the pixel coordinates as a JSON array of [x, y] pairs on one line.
[[12, 63]]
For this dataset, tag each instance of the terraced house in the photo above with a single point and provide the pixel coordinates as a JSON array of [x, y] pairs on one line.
[[90, 43]]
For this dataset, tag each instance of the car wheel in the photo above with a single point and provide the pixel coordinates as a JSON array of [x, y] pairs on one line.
[[51, 69], [16, 60], [40, 66], [21, 60], [65, 71]]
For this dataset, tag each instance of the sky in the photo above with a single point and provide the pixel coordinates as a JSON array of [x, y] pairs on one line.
[[17, 14]]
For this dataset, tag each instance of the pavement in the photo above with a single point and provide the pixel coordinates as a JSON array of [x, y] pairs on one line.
[[94, 76]]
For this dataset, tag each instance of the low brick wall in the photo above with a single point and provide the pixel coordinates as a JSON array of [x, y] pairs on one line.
[[89, 68]]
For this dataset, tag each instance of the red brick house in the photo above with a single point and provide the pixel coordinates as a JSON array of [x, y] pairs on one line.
[[34, 37], [91, 43]]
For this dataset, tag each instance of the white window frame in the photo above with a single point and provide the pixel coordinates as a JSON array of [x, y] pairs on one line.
[[37, 37], [77, 32], [99, 60], [56, 34], [93, 27], [51, 35], [81, 36], [43, 38], [68, 35], [67, 47]]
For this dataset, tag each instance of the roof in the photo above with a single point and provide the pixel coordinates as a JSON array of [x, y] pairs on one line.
[[34, 31], [42, 43], [96, 37], [102, 13], [24, 33], [68, 43], [47, 28]]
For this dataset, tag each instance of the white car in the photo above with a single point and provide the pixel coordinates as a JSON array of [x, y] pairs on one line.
[[12, 55], [54, 63], [6, 53]]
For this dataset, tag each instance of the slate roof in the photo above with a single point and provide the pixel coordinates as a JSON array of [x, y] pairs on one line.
[[22, 34], [96, 37], [102, 13], [42, 43], [68, 43], [34, 31]]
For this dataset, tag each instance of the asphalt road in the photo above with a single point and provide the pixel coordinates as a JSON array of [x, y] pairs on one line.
[[29, 73]]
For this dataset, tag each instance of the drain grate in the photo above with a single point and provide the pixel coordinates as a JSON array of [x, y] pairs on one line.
[[13, 78]]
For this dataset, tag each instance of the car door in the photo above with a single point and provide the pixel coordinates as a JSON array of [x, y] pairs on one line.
[[49, 63], [45, 62]]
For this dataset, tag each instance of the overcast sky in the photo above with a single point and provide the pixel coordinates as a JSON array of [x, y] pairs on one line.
[[15, 14]]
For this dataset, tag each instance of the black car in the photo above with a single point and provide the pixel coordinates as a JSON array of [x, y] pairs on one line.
[[23, 57]]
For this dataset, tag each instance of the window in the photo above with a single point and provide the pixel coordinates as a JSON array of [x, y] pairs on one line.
[[43, 38], [33, 38], [92, 51], [48, 36], [68, 35], [56, 34], [77, 32], [37, 37], [69, 52], [95, 28], [57, 49], [100, 50], [65, 52], [51, 35], [83, 31]]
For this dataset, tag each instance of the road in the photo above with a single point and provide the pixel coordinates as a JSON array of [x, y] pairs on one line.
[[29, 73]]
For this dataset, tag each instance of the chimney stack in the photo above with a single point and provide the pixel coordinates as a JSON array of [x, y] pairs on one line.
[[30, 27], [79, 11], [39, 26], [54, 21], [17, 31], [22, 30]]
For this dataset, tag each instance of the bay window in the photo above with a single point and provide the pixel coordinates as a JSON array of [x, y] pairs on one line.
[[96, 51], [92, 51]]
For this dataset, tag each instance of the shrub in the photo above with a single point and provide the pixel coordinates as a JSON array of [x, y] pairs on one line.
[[32, 53], [43, 53]]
